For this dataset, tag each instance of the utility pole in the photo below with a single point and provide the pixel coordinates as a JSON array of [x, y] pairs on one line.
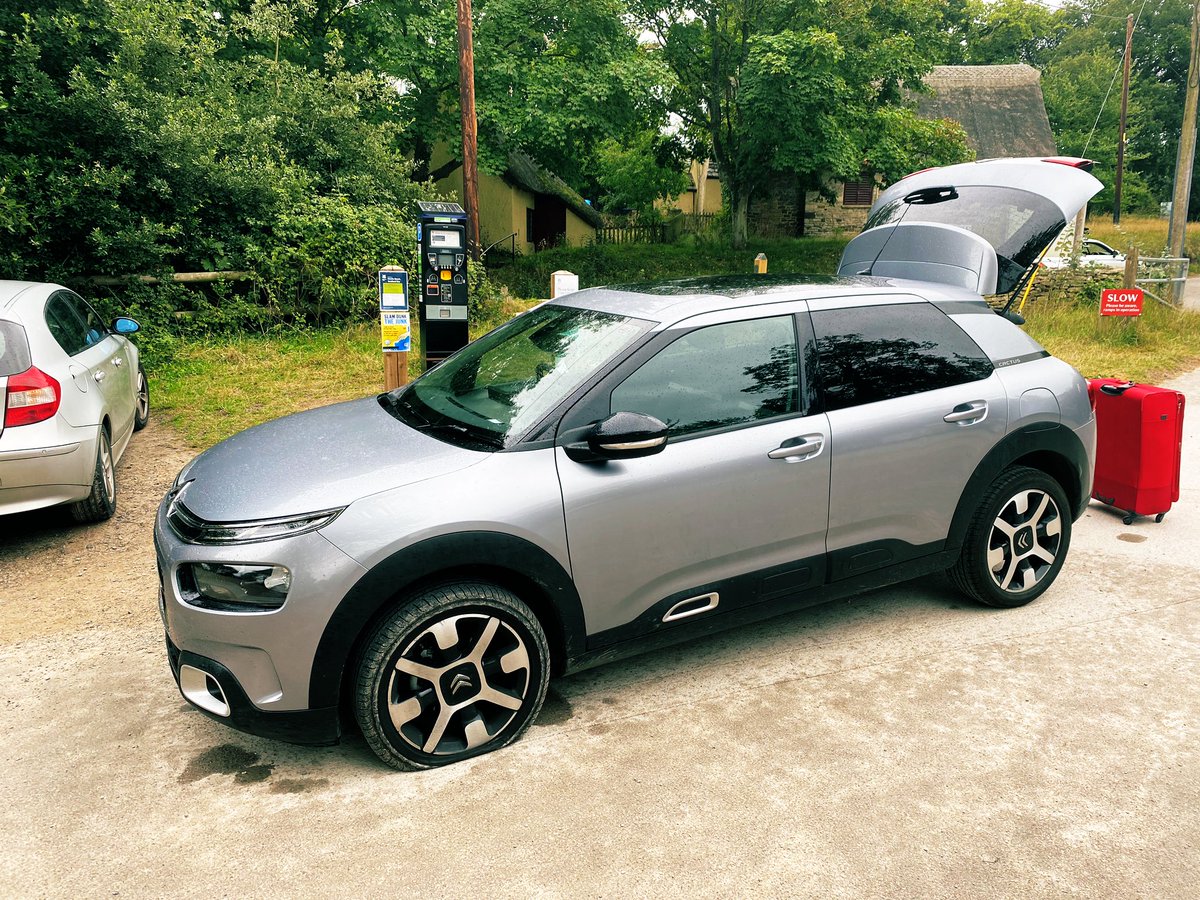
[[1121, 131], [470, 131], [1187, 146]]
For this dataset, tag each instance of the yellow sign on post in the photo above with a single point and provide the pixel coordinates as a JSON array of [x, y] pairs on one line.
[[395, 333]]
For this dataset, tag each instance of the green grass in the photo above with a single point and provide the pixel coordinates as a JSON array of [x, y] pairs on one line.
[[215, 388], [1155, 346], [1147, 233]]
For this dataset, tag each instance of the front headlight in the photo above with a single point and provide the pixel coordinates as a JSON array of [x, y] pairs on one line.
[[234, 588], [195, 530]]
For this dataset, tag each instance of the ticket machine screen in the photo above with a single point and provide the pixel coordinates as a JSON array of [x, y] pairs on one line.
[[443, 238]]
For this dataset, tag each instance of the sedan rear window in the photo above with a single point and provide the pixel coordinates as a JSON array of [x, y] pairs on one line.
[[14, 349]]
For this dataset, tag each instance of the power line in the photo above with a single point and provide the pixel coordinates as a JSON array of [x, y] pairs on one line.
[[1104, 103]]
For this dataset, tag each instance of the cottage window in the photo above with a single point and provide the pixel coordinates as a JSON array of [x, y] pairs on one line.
[[859, 192]]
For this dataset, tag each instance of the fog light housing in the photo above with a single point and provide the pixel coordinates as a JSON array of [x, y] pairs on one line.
[[234, 588]]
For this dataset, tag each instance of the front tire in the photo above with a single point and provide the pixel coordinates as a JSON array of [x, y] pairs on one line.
[[101, 503], [458, 671], [1017, 540]]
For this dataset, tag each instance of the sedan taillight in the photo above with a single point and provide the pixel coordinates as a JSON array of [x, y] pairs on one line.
[[32, 396]]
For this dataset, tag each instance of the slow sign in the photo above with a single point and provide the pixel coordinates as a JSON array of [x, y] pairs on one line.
[[1122, 302]]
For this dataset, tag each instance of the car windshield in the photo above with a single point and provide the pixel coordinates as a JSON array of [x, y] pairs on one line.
[[500, 386]]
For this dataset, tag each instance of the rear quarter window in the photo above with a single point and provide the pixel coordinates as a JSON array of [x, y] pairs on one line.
[[14, 349], [872, 353]]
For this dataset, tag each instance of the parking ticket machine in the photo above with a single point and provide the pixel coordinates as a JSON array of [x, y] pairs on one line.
[[442, 245]]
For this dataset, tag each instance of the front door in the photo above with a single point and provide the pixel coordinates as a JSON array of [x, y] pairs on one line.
[[733, 511]]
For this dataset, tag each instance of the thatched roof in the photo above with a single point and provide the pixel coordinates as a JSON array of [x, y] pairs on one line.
[[524, 173], [1001, 108]]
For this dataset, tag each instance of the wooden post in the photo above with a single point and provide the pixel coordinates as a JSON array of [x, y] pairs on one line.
[[1131, 267], [470, 132], [395, 370], [1186, 157]]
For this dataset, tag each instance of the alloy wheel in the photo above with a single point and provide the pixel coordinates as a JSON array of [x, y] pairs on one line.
[[1024, 541], [106, 470], [458, 683], [143, 397]]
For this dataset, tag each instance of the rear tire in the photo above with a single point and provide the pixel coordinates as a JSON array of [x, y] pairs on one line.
[[1017, 540], [141, 414], [101, 503], [458, 671]]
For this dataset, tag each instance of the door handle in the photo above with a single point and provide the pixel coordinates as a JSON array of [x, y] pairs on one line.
[[967, 413], [99, 376], [798, 448]]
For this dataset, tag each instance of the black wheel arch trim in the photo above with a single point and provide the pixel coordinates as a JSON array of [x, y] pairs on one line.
[[509, 561], [1051, 447]]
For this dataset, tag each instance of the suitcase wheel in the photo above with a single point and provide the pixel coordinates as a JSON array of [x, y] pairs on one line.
[[1128, 520], [1159, 517]]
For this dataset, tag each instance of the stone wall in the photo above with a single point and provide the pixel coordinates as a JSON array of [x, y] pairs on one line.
[[784, 210], [825, 219]]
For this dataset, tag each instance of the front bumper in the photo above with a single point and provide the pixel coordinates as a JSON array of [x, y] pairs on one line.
[[260, 663], [314, 727]]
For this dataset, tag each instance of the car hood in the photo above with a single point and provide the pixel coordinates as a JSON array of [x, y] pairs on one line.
[[976, 225], [321, 459]]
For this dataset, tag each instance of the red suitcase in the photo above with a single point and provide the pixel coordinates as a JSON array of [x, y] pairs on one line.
[[1139, 434]]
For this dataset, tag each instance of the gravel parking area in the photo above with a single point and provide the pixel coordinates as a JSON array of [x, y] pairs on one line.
[[903, 743]]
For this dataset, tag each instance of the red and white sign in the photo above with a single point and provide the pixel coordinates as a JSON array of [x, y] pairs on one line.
[[1123, 302]]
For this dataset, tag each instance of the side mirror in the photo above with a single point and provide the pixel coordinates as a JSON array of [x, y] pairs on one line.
[[125, 325], [623, 435]]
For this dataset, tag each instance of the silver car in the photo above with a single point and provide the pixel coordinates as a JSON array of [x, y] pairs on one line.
[[627, 467], [73, 394]]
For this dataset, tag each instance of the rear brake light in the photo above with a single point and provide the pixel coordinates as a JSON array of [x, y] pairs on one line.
[[32, 396], [1073, 161]]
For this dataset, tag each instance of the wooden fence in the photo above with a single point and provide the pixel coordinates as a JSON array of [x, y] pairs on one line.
[[640, 233]]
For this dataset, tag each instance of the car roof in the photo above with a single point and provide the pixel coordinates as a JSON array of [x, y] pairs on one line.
[[11, 290], [670, 301]]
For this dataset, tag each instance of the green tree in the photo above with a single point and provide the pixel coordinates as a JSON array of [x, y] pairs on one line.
[[150, 135], [556, 81], [1079, 49], [809, 86]]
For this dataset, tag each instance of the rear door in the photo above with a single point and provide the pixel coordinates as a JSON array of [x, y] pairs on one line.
[[733, 510], [913, 407]]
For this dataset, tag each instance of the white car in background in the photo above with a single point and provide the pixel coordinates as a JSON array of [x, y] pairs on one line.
[[1092, 253], [72, 393]]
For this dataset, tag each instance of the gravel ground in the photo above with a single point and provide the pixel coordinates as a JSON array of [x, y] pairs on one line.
[[903, 743]]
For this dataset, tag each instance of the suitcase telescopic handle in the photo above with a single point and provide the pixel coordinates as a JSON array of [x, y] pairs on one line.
[[1116, 390]]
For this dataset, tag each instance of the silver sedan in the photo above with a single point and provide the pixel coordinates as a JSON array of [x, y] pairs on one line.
[[73, 393]]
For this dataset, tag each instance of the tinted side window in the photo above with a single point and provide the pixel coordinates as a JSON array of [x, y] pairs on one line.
[[717, 377], [875, 353], [73, 322], [65, 325]]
